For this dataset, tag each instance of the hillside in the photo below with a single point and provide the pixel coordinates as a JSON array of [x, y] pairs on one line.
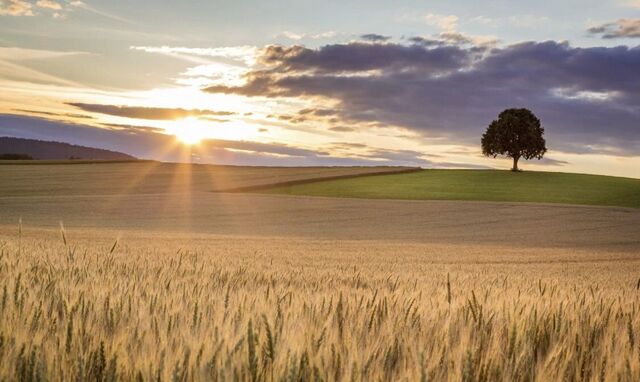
[[480, 185], [48, 150]]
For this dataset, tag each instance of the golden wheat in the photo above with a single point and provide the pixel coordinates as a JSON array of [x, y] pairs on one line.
[[224, 308]]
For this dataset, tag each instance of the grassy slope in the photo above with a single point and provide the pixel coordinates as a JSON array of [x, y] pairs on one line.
[[485, 185]]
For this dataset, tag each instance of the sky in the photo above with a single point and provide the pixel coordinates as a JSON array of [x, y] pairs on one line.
[[301, 83]]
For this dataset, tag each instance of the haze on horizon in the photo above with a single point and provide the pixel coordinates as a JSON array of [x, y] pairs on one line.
[[330, 83]]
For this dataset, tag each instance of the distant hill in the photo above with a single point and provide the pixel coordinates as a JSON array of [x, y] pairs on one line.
[[48, 150]]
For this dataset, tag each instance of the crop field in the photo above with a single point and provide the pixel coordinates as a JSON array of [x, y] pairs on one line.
[[154, 276], [79, 305]]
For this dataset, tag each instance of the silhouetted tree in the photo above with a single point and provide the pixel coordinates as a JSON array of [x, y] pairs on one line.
[[516, 134], [12, 156]]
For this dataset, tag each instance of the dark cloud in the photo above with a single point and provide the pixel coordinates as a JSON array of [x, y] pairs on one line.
[[318, 112], [587, 98], [52, 114], [373, 37], [342, 129], [308, 115], [623, 28], [348, 145], [151, 113], [550, 162], [359, 56], [295, 119], [425, 41], [132, 128], [217, 120], [265, 148], [452, 39], [456, 38]]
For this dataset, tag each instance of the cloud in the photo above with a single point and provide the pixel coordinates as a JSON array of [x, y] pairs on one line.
[[299, 36], [244, 55], [49, 4], [152, 113], [342, 129], [58, 9], [454, 39], [289, 118], [448, 23], [132, 128], [264, 148], [631, 3], [457, 38], [373, 37], [16, 8], [21, 54], [52, 114], [12, 66], [623, 28], [306, 115], [291, 35], [319, 112], [583, 96], [362, 57], [84, 6]]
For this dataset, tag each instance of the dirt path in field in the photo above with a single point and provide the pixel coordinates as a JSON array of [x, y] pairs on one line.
[[324, 178], [460, 223]]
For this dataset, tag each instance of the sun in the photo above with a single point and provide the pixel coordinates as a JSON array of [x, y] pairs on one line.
[[190, 131], [193, 130], [189, 138]]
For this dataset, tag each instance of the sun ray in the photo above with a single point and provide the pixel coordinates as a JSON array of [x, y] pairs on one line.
[[140, 177]]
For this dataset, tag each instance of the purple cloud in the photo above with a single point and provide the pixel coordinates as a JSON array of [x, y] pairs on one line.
[[623, 28], [151, 113], [587, 98]]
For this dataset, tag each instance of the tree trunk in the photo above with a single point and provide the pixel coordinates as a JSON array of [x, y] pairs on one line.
[[515, 163]]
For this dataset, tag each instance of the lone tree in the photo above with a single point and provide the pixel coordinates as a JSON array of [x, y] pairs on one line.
[[516, 134]]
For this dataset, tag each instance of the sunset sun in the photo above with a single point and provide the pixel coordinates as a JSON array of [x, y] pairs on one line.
[[190, 131]]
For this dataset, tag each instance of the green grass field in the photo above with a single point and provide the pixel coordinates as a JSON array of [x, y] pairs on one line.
[[482, 185]]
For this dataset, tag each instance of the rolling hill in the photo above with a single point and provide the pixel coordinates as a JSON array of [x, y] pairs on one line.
[[48, 150], [479, 185]]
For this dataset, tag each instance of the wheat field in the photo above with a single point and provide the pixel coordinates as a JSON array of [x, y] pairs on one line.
[[90, 305]]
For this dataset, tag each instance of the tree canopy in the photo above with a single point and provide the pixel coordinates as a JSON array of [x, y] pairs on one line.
[[516, 133]]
